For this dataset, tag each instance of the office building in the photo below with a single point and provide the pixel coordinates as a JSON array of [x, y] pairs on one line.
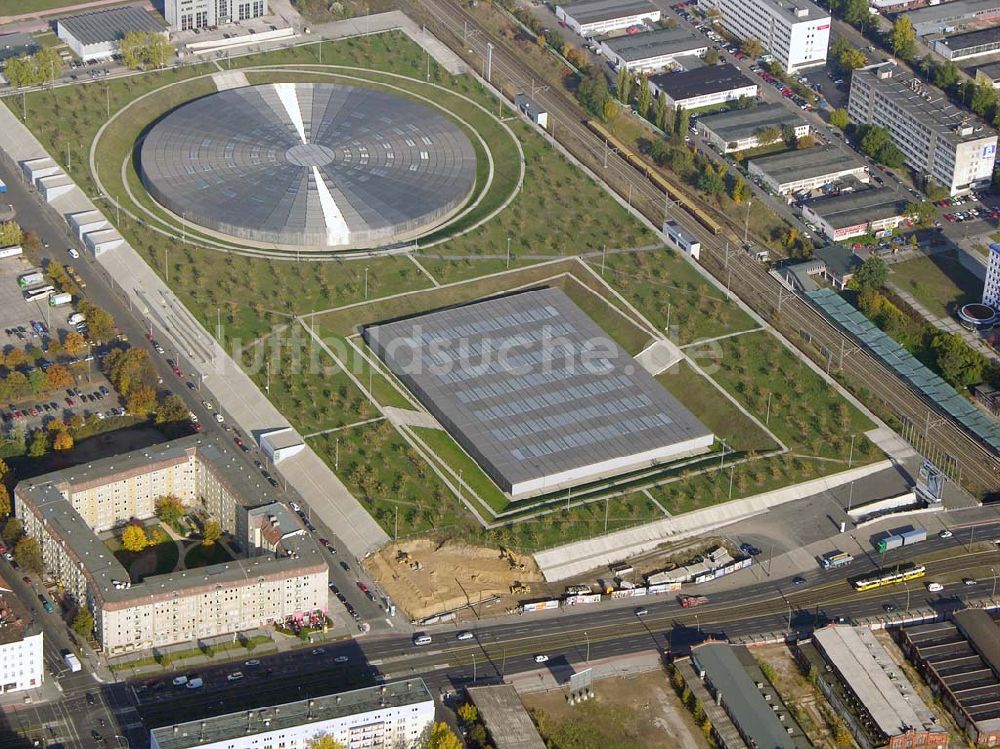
[[389, 716], [965, 46], [279, 574], [852, 214], [98, 35], [948, 17], [870, 692], [594, 17], [960, 659], [803, 170], [991, 287], [183, 15], [707, 86], [21, 659], [739, 129], [795, 32], [536, 393], [650, 51], [939, 141]]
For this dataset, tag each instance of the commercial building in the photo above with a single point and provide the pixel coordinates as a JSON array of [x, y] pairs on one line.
[[16, 45], [389, 716], [991, 287], [707, 86], [804, 170], [869, 691], [507, 722], [839, 264], [182, 15], [960, 659], [939, 141], [971, 44], [989, 74], [595, 17], [21, 659], [535, 392], [754, 709], [279, 444], [274, 582], [795, 32], [97, 35], [945, 17], [740, 129], [852, 214], [649, 51]]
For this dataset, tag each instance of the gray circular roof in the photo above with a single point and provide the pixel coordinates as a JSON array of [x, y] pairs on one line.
[[319, 165]]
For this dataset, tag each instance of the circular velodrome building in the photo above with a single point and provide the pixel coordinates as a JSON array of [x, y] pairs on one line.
[[309, 165]]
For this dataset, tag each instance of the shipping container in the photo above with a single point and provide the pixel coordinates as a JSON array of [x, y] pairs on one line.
[[59, 299], [30, 278], [914, 536], [889, 542]]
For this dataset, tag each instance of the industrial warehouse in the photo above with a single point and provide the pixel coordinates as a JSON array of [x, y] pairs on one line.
[[536, 393], [740, 129], [595, 17], [971, 44], [852, 214], [653, 50], [800, 171], [703, 87]]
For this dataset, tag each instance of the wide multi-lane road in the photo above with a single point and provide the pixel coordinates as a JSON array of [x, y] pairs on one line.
[[960, 454]]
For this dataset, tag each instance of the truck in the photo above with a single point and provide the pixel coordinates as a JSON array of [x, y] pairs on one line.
[[689, 602], [889, 542], [835, 559], [906, 538], [30, 278], [914, 536], [59, 299], [3, 186], [72, 662]]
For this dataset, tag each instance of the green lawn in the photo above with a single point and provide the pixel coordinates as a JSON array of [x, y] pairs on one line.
[[452, 455], [939, 282], [619, 326], [661, 284], [200, 555], [714, 410]]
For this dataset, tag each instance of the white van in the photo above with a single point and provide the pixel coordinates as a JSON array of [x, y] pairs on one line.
[[195, 683], [421, 639]]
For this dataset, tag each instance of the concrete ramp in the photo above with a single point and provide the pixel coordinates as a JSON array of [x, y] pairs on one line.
[[659, 356], [230, 79]]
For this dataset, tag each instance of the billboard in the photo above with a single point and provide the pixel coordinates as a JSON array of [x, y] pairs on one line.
[[540, 605]]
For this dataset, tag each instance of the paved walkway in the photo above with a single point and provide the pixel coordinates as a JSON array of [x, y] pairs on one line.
[[407, 417], [230, 79], [659, 356], [237, 395], [579, 557]]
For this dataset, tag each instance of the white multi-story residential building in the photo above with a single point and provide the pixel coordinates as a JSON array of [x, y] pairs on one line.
[[991, 288], [938, 140], [183, 15], [281, 575], [390, 716], [21, 661], [795, 32]]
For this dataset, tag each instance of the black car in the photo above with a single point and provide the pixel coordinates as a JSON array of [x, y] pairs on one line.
[[889, 607], [798, 581], [90, 698]]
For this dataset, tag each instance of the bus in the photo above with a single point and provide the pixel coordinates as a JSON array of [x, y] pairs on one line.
[[890, 576], [42, 292]]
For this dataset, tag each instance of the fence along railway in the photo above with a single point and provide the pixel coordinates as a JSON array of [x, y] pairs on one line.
[[930, 430]]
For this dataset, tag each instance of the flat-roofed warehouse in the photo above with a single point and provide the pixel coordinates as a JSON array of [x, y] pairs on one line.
[[536, 392], [594, 17], [703, 87], [98, 35], [852, 214], [800, 171], [971, 44], [739, 129], [960, 659], [652, 50], [936, 18]]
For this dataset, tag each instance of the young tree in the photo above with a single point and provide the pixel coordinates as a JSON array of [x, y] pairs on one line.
[[442, 737], [960, 364], [872, 274], [169, 509], [57, 376], [62, 441], [13, 529], [644, 98], [39, 444], [83, 623], [768, 134], [28, 553], [171, 410], [134, 538], [211, 532], [623, 87], [839, 118], [10, 234], [74, 344], [5, 506], [852, 59], [739, 190], [904, 38], [324, 741]]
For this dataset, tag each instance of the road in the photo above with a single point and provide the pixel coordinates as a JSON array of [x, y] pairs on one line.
[[960, 454], [572, 636]]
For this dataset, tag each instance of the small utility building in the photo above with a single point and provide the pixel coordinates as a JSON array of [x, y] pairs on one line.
[[536, 393], [532, 111], [703, 87], [98, 35]]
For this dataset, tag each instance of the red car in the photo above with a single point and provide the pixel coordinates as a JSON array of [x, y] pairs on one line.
[[33, 412], [69, 402], [362, 587], [197, 426], [149, 336]]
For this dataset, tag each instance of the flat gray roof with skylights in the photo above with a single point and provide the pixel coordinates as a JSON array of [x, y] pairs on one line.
[[536, 392]]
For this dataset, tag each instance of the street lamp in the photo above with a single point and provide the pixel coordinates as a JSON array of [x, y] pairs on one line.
[[588, 645], [993, 595]]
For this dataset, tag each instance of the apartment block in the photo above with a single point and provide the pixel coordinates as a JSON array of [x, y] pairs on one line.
[[795, 32], [280, 573], [938, 140]]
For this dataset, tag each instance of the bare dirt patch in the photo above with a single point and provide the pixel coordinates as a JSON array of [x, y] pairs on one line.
[[630, 712], [426, 577]]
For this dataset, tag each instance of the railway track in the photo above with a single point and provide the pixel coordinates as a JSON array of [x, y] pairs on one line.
[[934, 433]]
